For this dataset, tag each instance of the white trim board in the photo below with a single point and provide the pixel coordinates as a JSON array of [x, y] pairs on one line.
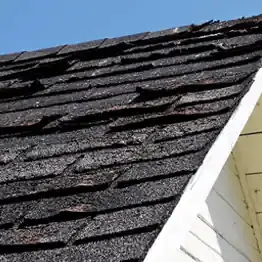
[[174, 232]]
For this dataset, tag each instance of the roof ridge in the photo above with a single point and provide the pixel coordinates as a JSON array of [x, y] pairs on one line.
[[131, 38]]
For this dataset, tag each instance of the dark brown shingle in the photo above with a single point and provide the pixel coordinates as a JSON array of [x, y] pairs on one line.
[[98, 140]]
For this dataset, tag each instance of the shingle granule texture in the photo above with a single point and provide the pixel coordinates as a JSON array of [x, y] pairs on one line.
[[98, 140]]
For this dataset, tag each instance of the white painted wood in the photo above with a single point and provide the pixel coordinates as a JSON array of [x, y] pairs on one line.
[[251, 152], [253, 125], [175, 230], [183, 257], [255, 187], [221, 225], [232, 165], [259, 216], [220, 245], [200, 250], [229, 188], [218, 214]]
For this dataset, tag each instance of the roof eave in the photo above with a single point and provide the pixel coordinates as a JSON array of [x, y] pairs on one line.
[[175, 230]]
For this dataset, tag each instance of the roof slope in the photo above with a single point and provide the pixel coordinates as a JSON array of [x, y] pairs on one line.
[[98, 140]]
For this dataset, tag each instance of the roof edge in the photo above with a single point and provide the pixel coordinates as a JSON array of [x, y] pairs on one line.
[[66, 49], [180, 222]]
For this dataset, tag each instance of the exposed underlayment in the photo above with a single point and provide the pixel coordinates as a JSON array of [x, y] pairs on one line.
[[98, 140]]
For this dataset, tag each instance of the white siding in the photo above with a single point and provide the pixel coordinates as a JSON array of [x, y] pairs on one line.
[[223, 230], [251, 150], [254, 123], [247, 155], [255, 185]]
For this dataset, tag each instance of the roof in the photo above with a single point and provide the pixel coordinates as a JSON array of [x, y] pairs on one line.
[[98, 140]]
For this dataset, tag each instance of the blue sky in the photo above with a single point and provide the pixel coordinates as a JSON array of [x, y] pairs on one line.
[[34, 24]]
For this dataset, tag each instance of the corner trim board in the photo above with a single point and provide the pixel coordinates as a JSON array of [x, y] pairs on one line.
[[181, 220]]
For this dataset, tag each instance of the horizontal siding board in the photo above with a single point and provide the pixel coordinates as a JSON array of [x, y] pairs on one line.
[[218, 214]]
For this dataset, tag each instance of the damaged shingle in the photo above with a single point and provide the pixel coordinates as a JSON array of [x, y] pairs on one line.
[[98, 140]]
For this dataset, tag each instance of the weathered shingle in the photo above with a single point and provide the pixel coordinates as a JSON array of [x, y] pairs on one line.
[[9, 57], [80, 47], [98, 140], [38, 53]]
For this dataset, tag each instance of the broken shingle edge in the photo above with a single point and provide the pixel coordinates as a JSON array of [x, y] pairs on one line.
[[167, 244]]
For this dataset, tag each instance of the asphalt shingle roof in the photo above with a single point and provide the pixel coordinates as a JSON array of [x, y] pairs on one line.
[[98, 140]]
